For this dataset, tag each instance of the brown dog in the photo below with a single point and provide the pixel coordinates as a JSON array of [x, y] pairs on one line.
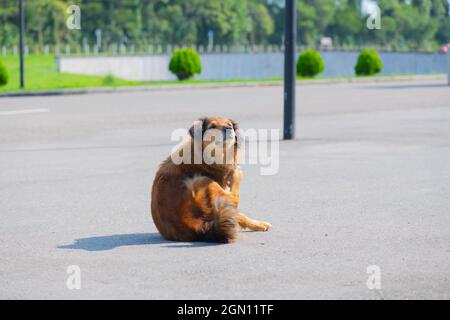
[[197, 200]]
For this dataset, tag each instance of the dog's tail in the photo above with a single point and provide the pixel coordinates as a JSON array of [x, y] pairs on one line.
[[223, 227]]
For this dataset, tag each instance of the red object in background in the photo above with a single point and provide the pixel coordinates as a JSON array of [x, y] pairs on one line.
[[445, 48]]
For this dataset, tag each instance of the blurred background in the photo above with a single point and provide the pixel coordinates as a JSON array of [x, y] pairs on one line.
[[127, 42]]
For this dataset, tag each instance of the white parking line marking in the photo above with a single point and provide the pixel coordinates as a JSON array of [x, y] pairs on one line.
[[14, 112]]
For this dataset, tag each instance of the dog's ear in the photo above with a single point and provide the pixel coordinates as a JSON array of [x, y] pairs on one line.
[[235, 124], [203, 124]]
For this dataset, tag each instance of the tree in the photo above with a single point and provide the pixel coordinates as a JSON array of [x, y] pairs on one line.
[[9, 32], [346, 24], [440, 10], [414, 24], [313, 19], [262, 24]]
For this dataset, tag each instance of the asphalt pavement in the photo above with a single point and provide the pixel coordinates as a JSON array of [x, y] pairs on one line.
[[366, 183]]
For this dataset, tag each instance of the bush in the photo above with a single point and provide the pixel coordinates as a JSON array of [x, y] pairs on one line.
[[108, 80], [3, 74], [369, 63], [185, 63], [310, 64]]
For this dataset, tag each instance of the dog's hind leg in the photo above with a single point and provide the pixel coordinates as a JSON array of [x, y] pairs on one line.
[[254, 225], [233, 197], [208, 193]]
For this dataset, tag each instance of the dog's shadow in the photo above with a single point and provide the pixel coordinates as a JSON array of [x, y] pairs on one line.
[[104, 243]]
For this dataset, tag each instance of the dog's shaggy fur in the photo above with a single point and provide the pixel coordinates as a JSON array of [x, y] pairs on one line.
[[199, 202]]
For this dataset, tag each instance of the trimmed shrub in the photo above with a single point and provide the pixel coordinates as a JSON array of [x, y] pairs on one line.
[[369, 63], [185, 63], [108, 80], [310, 64], [3, 74]]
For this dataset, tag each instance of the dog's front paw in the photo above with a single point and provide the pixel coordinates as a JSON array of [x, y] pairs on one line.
[[264, 226]]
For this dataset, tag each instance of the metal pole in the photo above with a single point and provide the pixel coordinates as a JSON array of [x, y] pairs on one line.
[[21, 44], [290, 74]]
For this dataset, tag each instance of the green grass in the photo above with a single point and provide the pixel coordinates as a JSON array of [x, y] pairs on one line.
[[41, 74]]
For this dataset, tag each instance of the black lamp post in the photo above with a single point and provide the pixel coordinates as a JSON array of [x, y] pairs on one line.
[[21, 44], [290, 74]]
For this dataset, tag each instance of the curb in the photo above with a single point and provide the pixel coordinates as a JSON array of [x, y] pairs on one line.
[[218, 85]]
